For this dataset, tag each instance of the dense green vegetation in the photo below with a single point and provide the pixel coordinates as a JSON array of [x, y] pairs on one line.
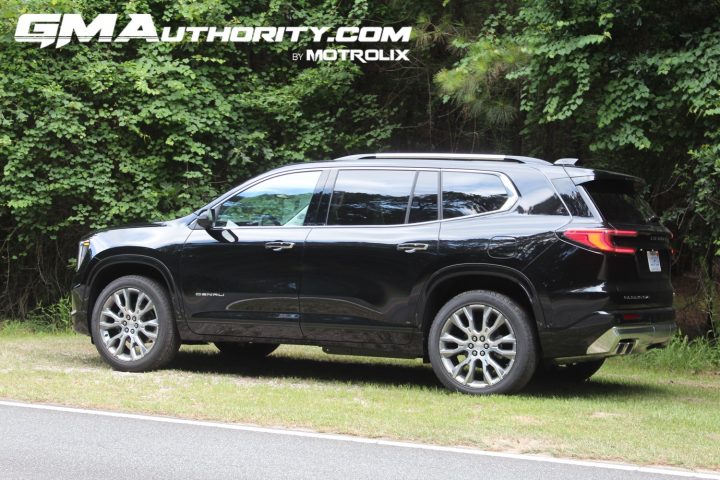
[[101, 134]]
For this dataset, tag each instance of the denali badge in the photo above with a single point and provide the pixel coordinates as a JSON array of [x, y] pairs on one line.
[[209, 294], [636, 297]]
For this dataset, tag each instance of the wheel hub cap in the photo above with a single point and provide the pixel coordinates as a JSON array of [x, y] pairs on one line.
[[129, 324], [482, 365]]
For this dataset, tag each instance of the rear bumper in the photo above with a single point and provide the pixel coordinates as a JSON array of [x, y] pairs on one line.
[[626, 339]]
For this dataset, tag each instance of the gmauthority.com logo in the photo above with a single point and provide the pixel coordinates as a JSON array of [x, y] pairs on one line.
[[60, 29]]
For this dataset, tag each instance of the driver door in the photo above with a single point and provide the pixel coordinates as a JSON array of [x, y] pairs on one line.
[[241, 277]]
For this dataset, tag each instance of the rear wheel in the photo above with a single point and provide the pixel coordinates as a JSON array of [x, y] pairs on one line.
[[133, 327], [482, 342], [573, 372], [246, 351]]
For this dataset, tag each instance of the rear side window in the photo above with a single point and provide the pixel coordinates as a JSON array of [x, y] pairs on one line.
[[620, 201], [466, 193], [370, 197]]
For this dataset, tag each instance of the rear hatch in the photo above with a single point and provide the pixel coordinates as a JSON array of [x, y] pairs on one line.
[[638, 273]]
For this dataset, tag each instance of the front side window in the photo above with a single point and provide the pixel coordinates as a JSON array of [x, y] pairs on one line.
[[370, 197], [467, 193], [278, 201]]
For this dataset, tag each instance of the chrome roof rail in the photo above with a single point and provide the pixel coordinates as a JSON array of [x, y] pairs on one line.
[[444, 156]]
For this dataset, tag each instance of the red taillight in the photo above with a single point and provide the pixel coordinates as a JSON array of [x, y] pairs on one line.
[[600, 239]]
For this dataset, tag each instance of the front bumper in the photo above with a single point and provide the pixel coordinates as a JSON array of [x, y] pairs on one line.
[[626, 339], [79, 312]]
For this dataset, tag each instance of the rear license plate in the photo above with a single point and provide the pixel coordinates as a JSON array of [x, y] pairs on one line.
[[654, 261]]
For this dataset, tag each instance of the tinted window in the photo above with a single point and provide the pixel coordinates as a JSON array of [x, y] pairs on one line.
[[620, 201], [370, 197], [282, 200], [424, 205], [471, 193], [572, 198]]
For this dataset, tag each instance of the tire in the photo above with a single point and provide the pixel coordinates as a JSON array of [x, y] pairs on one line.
[[148, 339], [514, 363], [246, 351], [573, 372]]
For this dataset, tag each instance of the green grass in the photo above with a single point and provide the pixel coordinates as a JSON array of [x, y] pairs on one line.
[[633, 410]]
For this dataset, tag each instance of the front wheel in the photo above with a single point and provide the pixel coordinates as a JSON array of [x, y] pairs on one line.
[[482, 342], [133, 326]]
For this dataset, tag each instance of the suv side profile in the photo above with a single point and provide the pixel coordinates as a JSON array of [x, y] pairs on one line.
[[487, 266]]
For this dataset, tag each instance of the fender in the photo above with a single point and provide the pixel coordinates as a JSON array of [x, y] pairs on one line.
[[140, 259], [486, 270]]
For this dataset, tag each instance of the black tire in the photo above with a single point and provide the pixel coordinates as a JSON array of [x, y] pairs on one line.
[[526, 350], [165, 345], [246, 351], [573, 372]]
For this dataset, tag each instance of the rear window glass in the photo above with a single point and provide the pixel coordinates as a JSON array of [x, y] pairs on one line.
[[620, 201], [471, 193]]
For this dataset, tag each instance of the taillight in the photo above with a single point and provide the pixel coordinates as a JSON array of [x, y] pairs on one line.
[[600, 239]]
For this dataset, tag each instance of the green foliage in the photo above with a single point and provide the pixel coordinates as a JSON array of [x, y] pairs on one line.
[[682, 354], [93, 135]]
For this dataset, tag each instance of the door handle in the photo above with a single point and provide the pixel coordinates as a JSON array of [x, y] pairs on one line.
[[412, 247], [279, 246]]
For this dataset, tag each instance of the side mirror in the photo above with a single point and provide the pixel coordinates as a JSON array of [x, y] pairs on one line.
[[207, 220]]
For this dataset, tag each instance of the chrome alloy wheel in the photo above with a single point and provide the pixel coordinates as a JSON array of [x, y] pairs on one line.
[[477, 346], [128, 324]]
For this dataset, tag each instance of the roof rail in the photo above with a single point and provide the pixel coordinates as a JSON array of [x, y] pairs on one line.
[[444, 156]]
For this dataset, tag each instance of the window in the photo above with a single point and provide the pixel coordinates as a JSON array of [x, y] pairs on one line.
[[620, 201], [279, 201], [370, 197], [472, 193], [424, 205]]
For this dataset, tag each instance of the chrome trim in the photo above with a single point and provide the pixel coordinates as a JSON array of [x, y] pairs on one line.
[[444, 156], [626, 339]]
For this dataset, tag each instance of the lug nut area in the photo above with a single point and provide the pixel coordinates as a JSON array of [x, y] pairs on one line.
[[474, 353]]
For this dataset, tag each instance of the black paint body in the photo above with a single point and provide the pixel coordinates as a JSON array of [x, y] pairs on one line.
[[349, 288]]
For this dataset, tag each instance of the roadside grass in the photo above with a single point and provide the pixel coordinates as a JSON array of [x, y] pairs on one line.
[[644, 409]]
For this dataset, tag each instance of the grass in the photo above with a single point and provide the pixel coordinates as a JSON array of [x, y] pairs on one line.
[[633, 411]]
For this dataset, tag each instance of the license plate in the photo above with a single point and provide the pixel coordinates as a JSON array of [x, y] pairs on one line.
[[654, 261]]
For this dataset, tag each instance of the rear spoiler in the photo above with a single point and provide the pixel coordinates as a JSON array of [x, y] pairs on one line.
[[567, 161]]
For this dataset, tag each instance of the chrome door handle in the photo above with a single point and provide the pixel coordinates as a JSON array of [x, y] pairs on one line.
[[279, 246], [412, 247]]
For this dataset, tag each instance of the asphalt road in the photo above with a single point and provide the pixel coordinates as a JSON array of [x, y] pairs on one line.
[[39, 442]]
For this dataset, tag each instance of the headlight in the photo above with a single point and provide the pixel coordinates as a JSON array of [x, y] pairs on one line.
[[83, 248]]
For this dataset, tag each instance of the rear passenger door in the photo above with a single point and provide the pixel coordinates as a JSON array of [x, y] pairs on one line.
[[364, 267]]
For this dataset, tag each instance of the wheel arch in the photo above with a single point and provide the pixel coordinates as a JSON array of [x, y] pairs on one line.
[[451, 281], [116, 266]]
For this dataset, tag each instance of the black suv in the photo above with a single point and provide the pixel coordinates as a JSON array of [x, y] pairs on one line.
[[488, 266]]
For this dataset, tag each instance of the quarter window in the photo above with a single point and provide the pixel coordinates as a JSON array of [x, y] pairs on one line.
[[472, 193], [278, 201], [370, 197]]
